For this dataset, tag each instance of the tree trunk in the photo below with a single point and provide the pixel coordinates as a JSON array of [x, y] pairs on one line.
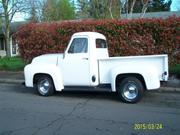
[[145, 6], [131, 9], [7, 27], [7, 40], [110, 9]]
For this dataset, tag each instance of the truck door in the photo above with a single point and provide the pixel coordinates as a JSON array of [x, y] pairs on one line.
[[76, 63]]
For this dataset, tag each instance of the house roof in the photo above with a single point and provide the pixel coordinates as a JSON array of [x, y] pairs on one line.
[[14, 27], [163, 15]]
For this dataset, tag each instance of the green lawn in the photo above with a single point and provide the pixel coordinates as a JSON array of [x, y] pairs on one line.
[[11, 64], [175, 69]]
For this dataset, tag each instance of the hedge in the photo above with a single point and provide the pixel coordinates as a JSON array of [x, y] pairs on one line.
[[125, 37]]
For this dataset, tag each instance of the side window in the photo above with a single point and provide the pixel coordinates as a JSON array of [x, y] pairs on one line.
[[101, 43], [79, 45]]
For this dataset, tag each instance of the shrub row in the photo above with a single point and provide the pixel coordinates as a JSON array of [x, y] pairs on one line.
[[126, 37]]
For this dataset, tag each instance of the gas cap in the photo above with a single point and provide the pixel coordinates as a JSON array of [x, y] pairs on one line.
[[93, 78]]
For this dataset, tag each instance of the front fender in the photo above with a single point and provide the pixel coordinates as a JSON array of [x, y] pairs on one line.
[[149, 74], [32, 69]]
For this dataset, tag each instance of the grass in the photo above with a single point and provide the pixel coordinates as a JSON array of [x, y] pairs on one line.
[[175, 69], [11, 64]]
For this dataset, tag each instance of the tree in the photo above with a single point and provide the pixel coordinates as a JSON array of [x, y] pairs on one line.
[[132, 7], [114, 8], [99, 9], [50, 11], [143, 6], [152, 5], [54, 10], [8, 8], [35, 10], [160, 5], [66, 10], [83, 9]]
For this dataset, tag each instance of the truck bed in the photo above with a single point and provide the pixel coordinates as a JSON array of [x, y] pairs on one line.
[[160, 62]]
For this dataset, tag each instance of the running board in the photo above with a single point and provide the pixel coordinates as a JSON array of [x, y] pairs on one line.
[[99, 88]]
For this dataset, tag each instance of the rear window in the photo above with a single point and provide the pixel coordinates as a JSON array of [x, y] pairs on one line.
[[101, 43]]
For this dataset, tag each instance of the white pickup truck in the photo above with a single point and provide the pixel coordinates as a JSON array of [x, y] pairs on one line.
[[86, 65]]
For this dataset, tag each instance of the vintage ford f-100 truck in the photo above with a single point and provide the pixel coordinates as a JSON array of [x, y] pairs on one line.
[[86, 65]]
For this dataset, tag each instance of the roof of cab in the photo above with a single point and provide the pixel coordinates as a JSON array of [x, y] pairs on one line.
[[90, 34]]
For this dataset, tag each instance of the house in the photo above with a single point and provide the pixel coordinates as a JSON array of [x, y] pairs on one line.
[[163, 15], [13, 44]]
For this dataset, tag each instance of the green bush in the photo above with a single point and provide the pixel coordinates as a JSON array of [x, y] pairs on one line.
[[125, 37], [11, 63], [175, 69]]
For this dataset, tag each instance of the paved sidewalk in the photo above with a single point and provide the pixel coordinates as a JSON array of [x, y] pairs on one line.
[[11, 77], [173, 85]]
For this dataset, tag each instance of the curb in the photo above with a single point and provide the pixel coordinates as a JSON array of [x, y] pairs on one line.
[[169, 89], [18, 81], [161, 89]]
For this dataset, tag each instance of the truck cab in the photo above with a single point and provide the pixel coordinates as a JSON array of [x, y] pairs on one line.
[[86, 64], [80, 60]]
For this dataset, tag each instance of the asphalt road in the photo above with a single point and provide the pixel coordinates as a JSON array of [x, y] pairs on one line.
[[23, 112]]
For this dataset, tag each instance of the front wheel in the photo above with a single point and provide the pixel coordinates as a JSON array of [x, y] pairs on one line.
[[130, 90], [45, 86]]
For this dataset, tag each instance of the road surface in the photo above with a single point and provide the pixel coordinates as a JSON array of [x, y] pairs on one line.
[[23, 112]]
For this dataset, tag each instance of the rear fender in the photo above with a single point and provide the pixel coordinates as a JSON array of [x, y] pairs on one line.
[[149, 74]]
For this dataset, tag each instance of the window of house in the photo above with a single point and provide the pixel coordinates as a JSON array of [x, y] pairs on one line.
[[2, 44], [79, 45], [101, 43]]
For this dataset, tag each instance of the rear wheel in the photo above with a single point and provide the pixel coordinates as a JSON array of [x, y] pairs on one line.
[[45, 86], [130, 90]]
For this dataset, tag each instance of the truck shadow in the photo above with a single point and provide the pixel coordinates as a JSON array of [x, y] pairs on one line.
[[99, 95], [87, 95], [76, 94]]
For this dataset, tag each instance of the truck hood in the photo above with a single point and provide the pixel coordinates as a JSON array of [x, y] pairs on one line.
[[47, 58]]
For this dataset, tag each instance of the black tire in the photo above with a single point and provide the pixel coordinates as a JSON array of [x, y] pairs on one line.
[[45, 86], [130, 90]]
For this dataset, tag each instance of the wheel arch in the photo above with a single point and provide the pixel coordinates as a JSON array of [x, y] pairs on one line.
[[120, 77], [56, 79], [38, 75]]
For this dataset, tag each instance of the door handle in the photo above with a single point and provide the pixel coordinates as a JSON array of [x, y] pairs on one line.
[[85, 58]]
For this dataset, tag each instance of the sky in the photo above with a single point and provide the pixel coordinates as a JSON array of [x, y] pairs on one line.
[[174, 7]]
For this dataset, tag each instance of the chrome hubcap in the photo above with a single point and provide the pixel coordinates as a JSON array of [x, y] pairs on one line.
[[44, 86], [130, 91]]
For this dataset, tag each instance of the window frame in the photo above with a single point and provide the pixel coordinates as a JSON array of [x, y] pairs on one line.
[[106, 45], [86, 49]]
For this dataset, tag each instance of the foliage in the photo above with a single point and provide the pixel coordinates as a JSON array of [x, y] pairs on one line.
[[160, 5], [8, 8], [55, 10], [51, 10], [34, 10], [153, 6], [175, 69], [11, 63], [99, 9], [127, 37], [83, 9]]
